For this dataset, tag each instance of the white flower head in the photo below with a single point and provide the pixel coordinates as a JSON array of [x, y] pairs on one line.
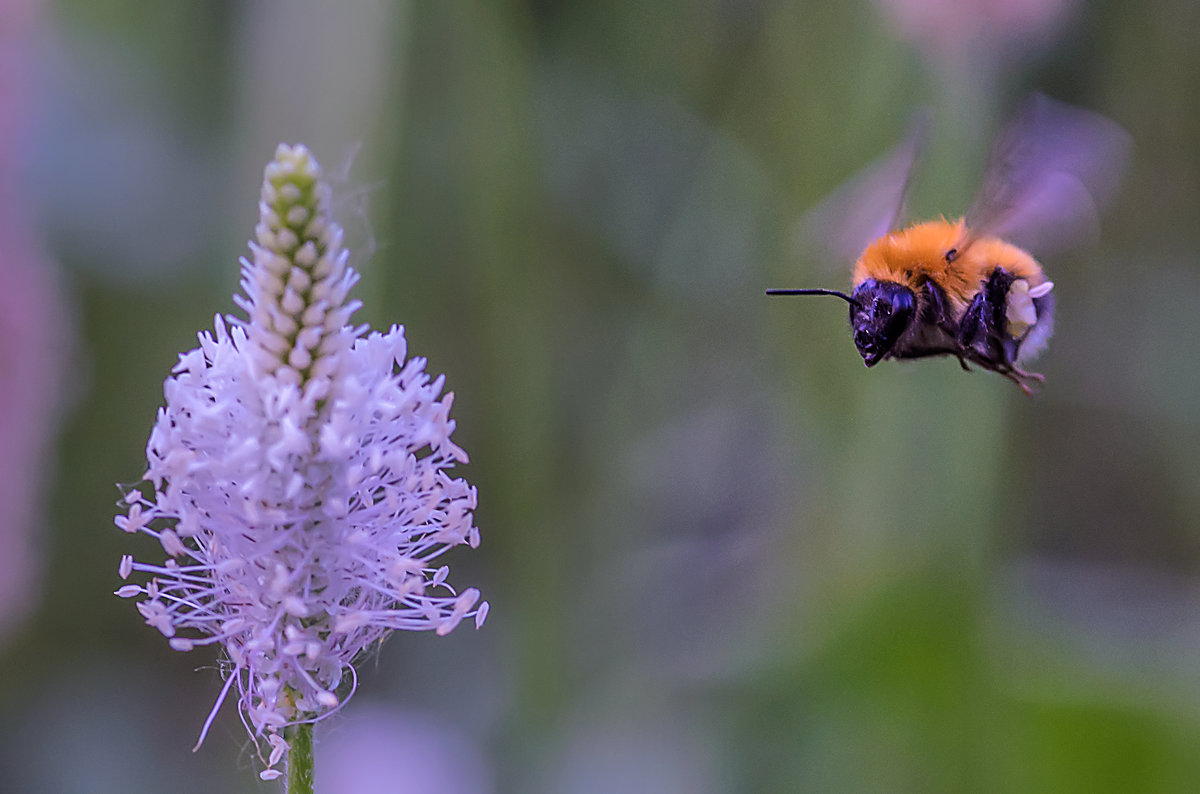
[[299, 479]]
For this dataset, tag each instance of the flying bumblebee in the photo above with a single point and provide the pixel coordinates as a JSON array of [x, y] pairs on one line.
[[967, 287]]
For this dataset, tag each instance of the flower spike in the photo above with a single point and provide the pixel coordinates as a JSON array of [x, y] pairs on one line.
[[299, 480]]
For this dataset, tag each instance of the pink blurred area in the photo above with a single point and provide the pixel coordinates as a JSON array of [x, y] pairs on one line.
[[32, 332], [960, 27]]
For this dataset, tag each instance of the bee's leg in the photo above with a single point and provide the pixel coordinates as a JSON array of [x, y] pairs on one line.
[[935, 308], [1017, 375], [1020, 383], [936, 351], [972, 329], [1007, 370], [936, 311], [984, 327], [963, 357], [928, 352]]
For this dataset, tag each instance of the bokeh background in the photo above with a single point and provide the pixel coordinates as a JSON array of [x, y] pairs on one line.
[[722, 556]]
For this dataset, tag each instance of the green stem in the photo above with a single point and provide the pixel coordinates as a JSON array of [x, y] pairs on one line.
[[300, 759]]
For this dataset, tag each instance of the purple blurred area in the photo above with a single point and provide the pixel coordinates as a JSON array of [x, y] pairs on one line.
[[34, 332]]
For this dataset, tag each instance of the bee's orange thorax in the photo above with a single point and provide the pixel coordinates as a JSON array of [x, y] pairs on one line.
[[917, 254]]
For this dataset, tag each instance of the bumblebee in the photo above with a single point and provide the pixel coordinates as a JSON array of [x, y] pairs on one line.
[[966, 287]]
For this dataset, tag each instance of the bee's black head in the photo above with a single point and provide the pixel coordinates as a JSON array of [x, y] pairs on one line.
[[880, 313]]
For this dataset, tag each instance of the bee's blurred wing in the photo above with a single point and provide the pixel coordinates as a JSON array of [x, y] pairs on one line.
[[1051, 170], [866, 207]]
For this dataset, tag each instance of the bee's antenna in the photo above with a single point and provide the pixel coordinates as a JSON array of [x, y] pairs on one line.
[[841, 295]]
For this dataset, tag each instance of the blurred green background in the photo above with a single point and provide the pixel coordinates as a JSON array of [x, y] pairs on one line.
[[722, 556]]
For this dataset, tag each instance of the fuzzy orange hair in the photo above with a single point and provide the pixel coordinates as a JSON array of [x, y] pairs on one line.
[[918, 254]]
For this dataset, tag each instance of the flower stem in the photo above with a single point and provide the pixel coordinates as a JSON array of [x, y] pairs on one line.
[[300, 759]]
